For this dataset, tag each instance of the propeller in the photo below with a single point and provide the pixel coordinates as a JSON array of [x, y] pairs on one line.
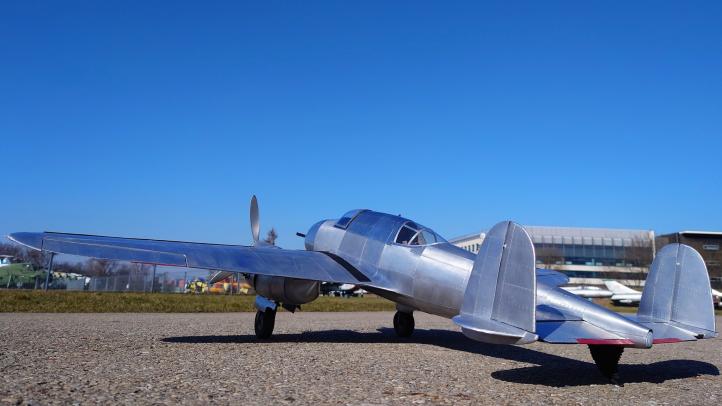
[[255, 230], [255, 226], [218, 276]]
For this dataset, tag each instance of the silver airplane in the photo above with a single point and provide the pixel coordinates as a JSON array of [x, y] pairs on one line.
[[496, 296]]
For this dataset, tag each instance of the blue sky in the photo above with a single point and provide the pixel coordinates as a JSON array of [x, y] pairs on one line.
[[160, 119]]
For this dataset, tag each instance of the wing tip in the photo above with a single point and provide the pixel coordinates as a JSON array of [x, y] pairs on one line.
[[31, 240]]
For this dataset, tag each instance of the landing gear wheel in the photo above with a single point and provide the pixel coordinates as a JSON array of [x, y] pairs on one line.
[[607, 359], [403, 324], [264, 323]]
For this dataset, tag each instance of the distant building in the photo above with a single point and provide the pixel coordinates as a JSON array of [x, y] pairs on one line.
[[587, 255], [707, 243]]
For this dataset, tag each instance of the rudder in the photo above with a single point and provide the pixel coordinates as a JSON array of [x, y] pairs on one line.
[[500, 298], [677, 292]]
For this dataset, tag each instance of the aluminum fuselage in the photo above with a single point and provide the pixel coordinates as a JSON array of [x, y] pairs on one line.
[[432, 278]]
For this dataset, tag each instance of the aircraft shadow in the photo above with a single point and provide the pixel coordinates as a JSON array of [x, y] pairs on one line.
[[549, 369]]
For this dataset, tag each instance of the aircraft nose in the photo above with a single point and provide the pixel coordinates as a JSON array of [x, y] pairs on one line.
[[309, 241]]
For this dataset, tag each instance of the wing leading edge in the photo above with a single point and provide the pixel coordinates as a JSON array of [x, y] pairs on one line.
[[299, 264]]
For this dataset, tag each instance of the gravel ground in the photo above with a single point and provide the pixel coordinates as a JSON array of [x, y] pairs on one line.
[[334, 358]]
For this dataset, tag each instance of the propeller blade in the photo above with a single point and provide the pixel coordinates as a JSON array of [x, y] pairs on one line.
[[255, 226]]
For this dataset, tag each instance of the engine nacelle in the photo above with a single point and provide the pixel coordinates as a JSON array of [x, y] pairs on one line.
[[290, 291]]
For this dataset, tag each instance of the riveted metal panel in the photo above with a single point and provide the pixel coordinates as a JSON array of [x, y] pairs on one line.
[[352, 246], [441, 275], [398, 263], [328, 237]]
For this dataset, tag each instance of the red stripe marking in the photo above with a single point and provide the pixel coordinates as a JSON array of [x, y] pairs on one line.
[[599, 341], [666, 340]]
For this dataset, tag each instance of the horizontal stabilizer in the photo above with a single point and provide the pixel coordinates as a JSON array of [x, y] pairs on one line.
[[577, 332], [500, 297], [564, 318], [664, 332], [492, 331], [550, 277], [677, 293]]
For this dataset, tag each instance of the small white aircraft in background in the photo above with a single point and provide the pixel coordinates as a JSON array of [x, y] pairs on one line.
[[623, 295], [342, 289], [589, 292], [349, 289], [717, 297]]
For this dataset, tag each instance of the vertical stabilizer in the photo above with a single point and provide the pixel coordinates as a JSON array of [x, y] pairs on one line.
[[500, 298], [678, 292]]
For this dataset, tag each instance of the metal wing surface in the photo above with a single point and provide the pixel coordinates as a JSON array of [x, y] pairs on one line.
[[299, 264]]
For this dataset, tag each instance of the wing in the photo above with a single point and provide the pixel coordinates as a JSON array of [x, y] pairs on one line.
[[299, 264]]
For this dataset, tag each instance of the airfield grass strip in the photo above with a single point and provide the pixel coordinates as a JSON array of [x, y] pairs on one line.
[[37, 301], [33, 301]]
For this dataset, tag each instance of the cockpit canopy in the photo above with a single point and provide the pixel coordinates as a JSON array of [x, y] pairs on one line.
[[411, 233], [347, 218]]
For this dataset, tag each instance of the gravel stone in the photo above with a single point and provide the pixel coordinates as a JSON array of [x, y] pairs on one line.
[[329, 358]]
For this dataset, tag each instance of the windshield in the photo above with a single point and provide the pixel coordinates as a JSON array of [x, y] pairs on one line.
[[347, 218], [411, 233]]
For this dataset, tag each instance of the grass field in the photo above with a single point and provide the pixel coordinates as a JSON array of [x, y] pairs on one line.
[[30, 301], [37, 301]]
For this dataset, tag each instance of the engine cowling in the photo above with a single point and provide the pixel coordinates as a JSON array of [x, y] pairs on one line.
[[290, 291]]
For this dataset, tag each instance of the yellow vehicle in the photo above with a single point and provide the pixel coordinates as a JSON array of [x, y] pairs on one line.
[[196, 286], [223, 287]]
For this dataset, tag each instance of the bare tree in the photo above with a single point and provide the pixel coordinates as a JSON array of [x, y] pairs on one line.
[[639, 254], [99, 267], [271, 236], [38, 259], [10, 249]]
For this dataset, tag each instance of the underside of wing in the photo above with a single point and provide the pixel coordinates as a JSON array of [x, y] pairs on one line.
[[299, 264]]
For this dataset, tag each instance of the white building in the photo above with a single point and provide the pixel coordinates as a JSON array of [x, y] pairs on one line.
[[587, 255]]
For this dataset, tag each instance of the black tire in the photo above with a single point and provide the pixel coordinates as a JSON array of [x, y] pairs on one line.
[[264, 323], [606, 357], [404, 324]]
